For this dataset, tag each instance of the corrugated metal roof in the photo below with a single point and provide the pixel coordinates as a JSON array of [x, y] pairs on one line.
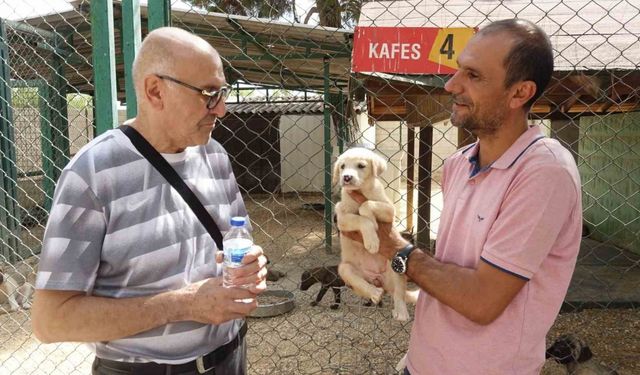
[[276, 107], [258, 51]]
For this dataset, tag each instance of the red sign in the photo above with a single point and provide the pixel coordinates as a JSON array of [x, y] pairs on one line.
[[408, 50]]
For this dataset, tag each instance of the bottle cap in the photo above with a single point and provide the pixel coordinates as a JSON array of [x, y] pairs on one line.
[[237, 221]]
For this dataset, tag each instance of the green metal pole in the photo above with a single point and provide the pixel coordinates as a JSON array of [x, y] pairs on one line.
[[104, 68], [341, 122], [59, 117], [9, 213], [130, 42], [328, 208], [46, 142], [159, 13]]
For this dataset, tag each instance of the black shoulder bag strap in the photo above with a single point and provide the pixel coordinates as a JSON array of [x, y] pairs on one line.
[[170, 174]]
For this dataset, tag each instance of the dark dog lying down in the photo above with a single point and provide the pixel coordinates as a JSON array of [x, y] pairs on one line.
[[328, 277], [576, 355]]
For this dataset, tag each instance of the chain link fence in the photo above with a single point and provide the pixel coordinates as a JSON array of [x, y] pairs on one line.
[[296, 105]]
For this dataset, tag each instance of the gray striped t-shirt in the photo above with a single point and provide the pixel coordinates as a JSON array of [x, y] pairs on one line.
[[118, 229]]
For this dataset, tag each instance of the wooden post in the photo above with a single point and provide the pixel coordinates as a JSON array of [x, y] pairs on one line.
[[424, 111]]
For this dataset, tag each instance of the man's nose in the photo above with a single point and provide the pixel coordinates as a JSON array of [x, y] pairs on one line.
[[452, 86], [220, 109], [347, 178]]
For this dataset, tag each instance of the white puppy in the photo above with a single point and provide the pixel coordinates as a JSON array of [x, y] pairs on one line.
[[368, 273], [16, 283]]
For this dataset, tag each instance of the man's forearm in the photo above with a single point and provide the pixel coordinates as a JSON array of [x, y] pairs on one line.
[[65, 316], [480, 295], [450, 284]]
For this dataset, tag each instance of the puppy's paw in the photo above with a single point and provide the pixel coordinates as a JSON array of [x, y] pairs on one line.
[[26, 305], [365, 211], [371, 243], [400, 314], [402, 363], [376, 295]]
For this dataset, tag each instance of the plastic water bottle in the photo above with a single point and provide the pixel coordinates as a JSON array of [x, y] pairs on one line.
[[237, 242]]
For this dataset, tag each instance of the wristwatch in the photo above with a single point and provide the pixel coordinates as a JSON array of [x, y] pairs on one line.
[[400, 260]]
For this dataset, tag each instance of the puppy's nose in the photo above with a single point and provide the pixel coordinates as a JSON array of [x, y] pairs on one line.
[[347, 178]]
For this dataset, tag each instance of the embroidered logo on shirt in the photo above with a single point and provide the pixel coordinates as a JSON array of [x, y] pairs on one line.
[[480, 218]]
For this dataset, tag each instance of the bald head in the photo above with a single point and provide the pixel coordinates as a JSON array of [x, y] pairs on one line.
[[167, 50]]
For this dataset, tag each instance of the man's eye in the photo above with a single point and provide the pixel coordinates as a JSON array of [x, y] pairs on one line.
[[362, 166]]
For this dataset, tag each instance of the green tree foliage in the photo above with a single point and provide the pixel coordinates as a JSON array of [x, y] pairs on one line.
[[332, 13]]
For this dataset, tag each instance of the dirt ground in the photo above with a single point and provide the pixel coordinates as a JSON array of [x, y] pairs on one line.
[[353, 339]]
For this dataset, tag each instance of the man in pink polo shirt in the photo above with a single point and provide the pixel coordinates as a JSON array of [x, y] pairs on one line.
[[511, 224]]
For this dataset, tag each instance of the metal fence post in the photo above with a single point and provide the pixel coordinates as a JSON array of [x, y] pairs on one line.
[[59, 115], [46, 143], [328, 205], [159, 14], [104, 79], [130, 42], [9, 212]]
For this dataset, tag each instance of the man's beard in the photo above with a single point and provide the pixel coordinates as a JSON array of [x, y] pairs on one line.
[[479, 124]]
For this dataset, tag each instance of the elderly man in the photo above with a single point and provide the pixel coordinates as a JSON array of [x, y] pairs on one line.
[[126, 264], [510, 227]]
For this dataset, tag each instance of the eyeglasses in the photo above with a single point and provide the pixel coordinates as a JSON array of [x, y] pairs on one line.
[[214, 96]]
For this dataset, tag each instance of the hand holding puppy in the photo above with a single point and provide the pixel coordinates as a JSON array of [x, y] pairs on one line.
[[390, 239]]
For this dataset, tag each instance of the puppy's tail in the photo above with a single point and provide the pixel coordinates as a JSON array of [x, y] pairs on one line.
[[411, 296]]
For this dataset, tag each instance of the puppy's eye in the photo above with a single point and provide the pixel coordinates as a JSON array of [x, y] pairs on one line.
[[362, 165], [342, 166]]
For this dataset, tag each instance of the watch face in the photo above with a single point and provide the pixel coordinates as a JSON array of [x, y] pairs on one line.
[[398, 265]]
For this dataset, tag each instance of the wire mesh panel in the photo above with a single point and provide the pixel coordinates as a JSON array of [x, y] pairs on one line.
[[296, 104]]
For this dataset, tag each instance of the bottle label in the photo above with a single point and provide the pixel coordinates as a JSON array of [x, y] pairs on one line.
[[236, 255]]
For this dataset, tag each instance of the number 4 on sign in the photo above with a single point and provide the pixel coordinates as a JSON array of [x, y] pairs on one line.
[[448, 45]]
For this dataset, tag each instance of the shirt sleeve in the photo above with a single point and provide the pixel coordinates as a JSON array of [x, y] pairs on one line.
[[73, 238], [536, 208]]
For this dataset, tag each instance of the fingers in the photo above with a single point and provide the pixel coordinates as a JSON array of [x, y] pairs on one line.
[[390, 238], [256, 253], [219, 256], [250, 274], [353, 235], [259, 288], [357, 196], [253, 272]]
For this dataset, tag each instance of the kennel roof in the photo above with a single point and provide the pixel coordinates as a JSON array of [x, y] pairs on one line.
[[257, 51], [596, 48]]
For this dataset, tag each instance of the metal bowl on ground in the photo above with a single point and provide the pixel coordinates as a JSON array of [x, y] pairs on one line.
[[272, 303]]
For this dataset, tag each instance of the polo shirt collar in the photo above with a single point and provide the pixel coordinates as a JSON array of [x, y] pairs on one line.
[[513, 153]]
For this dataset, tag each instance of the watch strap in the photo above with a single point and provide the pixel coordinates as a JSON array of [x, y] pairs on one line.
[[406, 251]]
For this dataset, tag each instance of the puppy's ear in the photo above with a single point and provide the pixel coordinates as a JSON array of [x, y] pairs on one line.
[[378, 164], [336, 171], [585, 354]]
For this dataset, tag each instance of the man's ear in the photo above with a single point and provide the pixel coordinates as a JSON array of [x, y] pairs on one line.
[[522, 92], [153, 88]]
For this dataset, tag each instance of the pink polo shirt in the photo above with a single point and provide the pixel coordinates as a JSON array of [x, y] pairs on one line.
[[522, 215]]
